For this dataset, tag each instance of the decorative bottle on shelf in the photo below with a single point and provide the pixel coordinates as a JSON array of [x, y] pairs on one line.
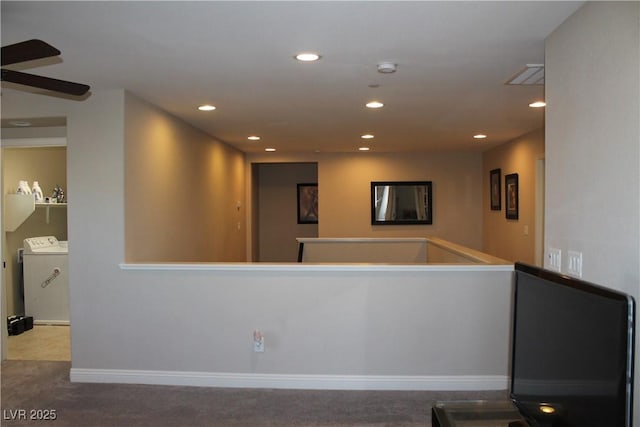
[[23, 188], [37, 192], [58, 194]]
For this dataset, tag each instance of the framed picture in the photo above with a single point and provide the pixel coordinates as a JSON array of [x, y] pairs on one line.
[[495, 189], [401, 202], [511, 195], [308, 203]]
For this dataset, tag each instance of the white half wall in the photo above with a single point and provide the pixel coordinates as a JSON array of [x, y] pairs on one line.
[[353, 327]]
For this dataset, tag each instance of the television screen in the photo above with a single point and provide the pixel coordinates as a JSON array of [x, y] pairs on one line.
[[572, 359]]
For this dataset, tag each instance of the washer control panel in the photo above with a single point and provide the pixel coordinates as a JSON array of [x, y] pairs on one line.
[[40, 244]]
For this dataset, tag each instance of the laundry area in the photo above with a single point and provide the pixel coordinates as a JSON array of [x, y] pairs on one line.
[[35, 244]]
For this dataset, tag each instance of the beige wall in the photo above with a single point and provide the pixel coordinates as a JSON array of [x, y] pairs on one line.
[[510, 239], [277, 209], [48, 166], [345, 194], [345, 191], [593, 147], [184, 191]]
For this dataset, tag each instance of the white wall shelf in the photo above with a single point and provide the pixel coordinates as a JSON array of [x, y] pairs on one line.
[[19, 207], [47, 206]]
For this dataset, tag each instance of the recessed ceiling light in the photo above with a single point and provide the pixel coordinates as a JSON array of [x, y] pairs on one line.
[[387, 67], [537, 104], [206, 107], [307, 56], [363, 148], [367, 136], [270, 149], [480, 136], [374, 104], [253, 138], [20, 123]]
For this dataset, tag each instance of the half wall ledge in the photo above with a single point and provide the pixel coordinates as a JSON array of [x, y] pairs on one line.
[[411, 250], [324, 267]]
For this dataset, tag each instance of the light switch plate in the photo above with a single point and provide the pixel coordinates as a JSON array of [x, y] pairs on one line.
[[555, 259], [574, 261]]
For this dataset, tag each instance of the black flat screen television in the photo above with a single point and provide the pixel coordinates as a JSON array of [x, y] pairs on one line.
[[572, 355]]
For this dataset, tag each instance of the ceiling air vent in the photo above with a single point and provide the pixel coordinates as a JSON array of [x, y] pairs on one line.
[[532, 74]]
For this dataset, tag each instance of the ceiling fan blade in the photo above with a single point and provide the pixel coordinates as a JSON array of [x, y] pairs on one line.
[[27, 51], [48, 83]]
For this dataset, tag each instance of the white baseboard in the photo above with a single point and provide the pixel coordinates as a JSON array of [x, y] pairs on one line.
[[292, 381]]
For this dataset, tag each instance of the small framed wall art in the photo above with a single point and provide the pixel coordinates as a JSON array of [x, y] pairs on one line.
[[511, 195], [495, 189], [308, 203]]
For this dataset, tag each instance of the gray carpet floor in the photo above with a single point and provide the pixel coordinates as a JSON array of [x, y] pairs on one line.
[[45, 386]]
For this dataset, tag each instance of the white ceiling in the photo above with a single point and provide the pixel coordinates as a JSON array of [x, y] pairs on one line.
[[453, 59]]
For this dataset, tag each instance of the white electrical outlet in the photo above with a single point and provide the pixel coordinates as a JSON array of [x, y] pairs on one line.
[[258, 341], [574, 260], [554, 257]]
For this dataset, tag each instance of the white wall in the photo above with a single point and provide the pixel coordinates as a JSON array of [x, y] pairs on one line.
[[593, 146], [350, 322]]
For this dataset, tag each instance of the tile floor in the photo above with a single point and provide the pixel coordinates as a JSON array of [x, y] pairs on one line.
[[43, 342]]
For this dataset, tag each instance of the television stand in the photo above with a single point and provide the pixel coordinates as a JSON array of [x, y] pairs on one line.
[[476, 413]]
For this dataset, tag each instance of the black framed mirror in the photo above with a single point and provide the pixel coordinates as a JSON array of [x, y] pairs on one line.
[[401, 202]]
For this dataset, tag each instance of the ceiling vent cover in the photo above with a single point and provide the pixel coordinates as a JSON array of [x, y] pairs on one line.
[[532, 74]]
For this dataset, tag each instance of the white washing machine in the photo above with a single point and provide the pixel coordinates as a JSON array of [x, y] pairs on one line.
[[46, 283]]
